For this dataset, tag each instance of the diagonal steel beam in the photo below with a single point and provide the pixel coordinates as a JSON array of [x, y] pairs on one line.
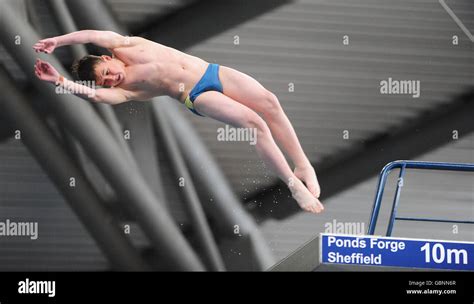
[[100, 19], [55, 161], [225, 208], [84, 123], [196, 213], [66, 24], [227, 211]]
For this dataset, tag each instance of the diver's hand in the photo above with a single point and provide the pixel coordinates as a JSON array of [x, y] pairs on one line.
[[45, 71], [46, 45]]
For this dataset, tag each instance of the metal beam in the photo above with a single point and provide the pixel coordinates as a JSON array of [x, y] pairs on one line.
[[246, 248], [66, 24], [201, 20], [94, 14], [422, 135], [200, 225], [55, 161], [79, 117], [227, 210], [138, 121]]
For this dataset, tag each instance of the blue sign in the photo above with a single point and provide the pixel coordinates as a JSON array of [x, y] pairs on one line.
[[395, 252]]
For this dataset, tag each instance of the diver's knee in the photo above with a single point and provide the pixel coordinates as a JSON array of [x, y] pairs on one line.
[[271, 104]]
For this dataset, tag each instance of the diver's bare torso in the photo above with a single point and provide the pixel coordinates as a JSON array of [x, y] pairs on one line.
[[154, 69], [145, 69]]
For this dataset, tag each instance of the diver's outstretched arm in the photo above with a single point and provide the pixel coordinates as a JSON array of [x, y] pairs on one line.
[[105, 39]]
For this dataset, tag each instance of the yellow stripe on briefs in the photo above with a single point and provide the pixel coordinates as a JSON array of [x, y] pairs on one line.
[[189, 104]]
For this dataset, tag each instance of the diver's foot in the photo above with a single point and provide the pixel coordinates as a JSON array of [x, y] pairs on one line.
[[303, 197]]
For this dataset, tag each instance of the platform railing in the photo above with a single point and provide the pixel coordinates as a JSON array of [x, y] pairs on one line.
[[403, 165]]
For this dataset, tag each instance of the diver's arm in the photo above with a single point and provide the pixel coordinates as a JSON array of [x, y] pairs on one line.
[[105, 39]]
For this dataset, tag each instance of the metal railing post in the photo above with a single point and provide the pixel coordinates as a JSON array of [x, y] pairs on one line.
[[406, 164], [396, 199], [379, 195]]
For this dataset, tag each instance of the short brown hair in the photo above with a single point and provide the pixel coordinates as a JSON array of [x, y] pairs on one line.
[[83, 69]]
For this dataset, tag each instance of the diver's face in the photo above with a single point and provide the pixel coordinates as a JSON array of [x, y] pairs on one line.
[[110, 72]]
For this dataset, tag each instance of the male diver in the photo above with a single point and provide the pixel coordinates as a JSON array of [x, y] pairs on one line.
[[141, 69]]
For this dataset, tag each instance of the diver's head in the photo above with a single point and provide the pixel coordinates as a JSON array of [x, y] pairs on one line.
[[104, 70]]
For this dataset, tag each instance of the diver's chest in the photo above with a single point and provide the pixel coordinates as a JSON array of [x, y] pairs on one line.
[[134, 55], [145, 76]]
